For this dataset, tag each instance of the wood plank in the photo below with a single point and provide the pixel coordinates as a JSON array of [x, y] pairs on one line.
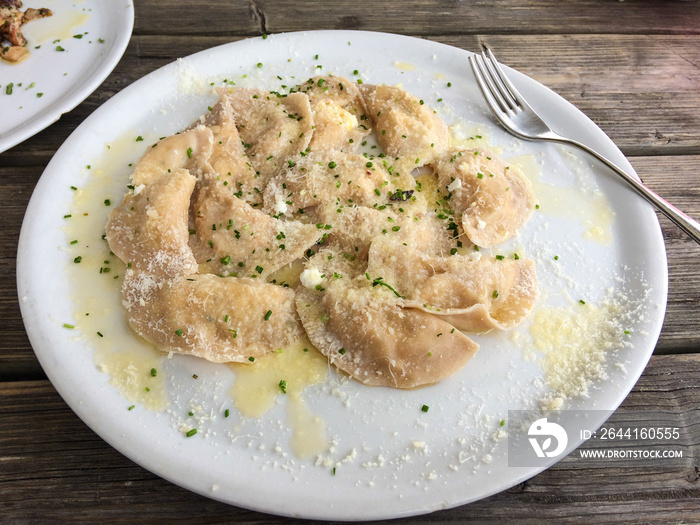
[[17, 359], [17, 185], [211, 17], [53, 467], [417, 17]]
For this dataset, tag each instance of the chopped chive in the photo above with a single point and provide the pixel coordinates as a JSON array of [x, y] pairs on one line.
[[268, 314], [191, 432], [425, 408]]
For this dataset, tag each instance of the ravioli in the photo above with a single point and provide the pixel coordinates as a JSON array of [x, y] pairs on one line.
[[189, 150], [217, 318], [326, 176], [228, 157], [475, 294], [376, 341], [493, 198], [232, 238], [272, 128], [353, 228], [266, 181], [338, 112], [407, 129], [148, 230]]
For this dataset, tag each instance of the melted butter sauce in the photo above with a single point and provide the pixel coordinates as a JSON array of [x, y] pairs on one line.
[[404, 66], [463, 136], [288, 275], [96, 282], [62, 25], [590, 208], [99, 317], [258, 386]]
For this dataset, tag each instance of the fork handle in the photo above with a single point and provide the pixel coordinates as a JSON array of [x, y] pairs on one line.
[[680, 219]]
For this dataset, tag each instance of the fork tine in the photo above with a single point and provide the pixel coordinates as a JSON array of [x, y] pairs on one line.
[[489, 90], [495, 67], [498, 108], [496, 78]]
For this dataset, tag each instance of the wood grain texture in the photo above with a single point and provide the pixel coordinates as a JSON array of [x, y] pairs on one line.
[[53, 467], [418, 17]]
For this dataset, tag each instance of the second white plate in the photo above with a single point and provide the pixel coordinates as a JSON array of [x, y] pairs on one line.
[[71, 54]]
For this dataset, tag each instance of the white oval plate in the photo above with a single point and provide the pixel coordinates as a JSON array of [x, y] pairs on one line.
[[50, 83], [391, 458]]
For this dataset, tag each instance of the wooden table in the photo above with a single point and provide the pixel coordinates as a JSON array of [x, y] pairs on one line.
[[631, 66]]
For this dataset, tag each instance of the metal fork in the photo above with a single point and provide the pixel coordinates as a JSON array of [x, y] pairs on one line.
[[516, 115]]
